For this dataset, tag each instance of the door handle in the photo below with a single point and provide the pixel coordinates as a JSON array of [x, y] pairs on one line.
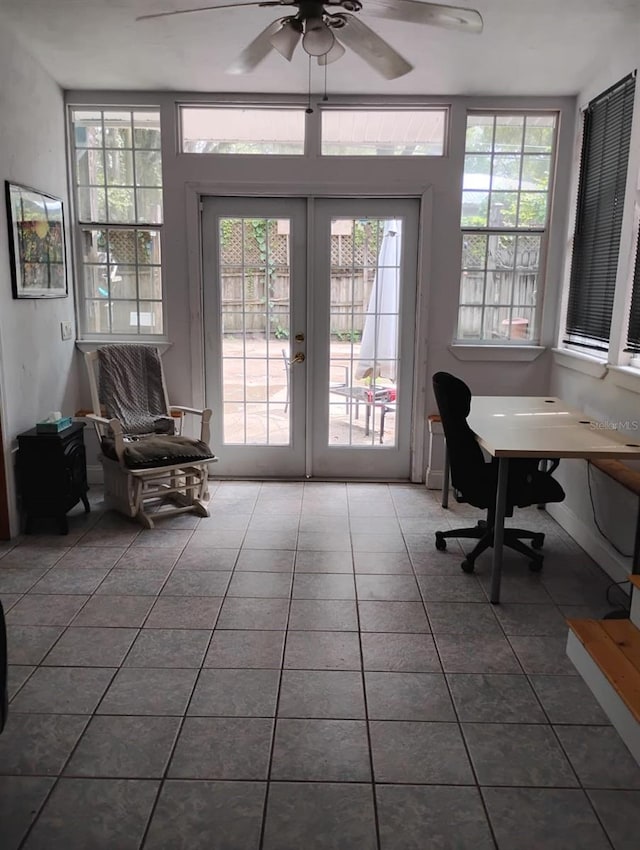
[[298, 357]]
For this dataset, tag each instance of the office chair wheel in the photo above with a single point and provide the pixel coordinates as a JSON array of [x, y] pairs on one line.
[[441, 543], [536, 565], [482, 523], [467, 566], [538, 541]]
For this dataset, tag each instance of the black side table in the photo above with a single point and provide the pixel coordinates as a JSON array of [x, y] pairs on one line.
[[52, 474]]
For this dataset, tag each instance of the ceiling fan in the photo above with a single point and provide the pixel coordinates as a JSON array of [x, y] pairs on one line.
[[320, 23]]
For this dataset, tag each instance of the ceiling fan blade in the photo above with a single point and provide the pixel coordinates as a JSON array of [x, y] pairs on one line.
[[452, 17], [286, 39], [254, 53], [374, 50], [336, 52], [216, 6]]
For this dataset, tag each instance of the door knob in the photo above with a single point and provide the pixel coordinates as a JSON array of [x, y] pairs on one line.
[[298, 357]]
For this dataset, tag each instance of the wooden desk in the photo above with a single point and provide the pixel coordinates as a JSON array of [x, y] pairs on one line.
[[537, 426]]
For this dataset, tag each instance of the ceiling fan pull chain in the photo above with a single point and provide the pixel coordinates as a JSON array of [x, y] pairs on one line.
[[326, 97], [309, 110]]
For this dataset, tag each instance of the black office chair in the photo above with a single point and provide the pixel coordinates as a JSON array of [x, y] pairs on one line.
[[475, 480]]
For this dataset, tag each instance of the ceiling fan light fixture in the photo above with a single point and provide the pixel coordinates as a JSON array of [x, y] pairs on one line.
[[318, 38], [336, 52], [286, 39]]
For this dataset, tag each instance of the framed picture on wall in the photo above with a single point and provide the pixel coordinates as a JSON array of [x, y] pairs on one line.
[[36, 243]]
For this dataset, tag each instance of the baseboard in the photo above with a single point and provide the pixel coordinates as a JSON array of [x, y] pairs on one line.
[[433, 479], [602, 553]]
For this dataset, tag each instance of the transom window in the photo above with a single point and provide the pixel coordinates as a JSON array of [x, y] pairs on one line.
[[383, 132], [238, 130], [118, 183], [508, 171]]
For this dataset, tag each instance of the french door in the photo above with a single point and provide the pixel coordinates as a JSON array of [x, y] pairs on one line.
[[309, 314]]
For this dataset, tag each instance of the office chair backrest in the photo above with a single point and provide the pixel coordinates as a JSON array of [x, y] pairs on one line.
[[470, 474]]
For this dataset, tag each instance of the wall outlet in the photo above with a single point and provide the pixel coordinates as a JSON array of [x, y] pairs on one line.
[[66, 330]]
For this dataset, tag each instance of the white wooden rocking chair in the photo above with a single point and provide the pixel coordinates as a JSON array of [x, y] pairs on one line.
[[146, 463]]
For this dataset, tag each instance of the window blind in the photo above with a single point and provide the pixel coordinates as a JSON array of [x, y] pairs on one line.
[[633, 335], [603, 176]]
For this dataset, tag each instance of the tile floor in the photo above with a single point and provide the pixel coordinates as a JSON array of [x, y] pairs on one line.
[[302, 671]]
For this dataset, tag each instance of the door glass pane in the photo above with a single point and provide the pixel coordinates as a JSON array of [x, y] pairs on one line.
[[254, 279], [363, 328]]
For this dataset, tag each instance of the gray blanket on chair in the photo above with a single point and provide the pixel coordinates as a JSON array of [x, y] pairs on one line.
[[131, 388]]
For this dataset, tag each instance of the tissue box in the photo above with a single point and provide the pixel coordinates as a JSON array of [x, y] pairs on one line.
[[55, 426]]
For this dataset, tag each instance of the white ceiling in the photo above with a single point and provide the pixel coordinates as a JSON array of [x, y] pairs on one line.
[[528, 47]]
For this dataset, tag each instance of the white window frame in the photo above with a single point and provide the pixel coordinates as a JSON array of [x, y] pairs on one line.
[[460, 342], [79, 227]]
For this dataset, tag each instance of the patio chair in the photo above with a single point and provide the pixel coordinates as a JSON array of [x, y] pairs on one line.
[[146, 463], [333, 385]]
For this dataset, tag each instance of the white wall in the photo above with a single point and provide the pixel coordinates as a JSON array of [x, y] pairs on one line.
[[37, 369], [602, 398]]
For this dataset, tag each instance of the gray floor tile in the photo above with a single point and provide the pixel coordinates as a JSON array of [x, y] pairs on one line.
[[276, 539], [321, 751], [411, 653], [149, 690], [266, 560], [47, 610], [222, 748], [124, 611], [196, 583], [322, 651], [408, 696], [28, 554], [231, 538], [114, 814], [453, 818], [599, 757], [619, 812], [261, 585], [517, 755], [310, 561], [91, 647], [568, 699], [140, 558], [320, 816], [338, 615], [184, 612], [543, 655], [9, 600], [201, 815], [462, 618], [29, 644], [389, 616], [260, 614], [385, 563], [168, 648], [419, 753], [494, 698], [398, 588], [70, 580], [63, 690], [207, 559], [318, 541], [367, 541], [133, 747], [463, 588], [85, 556], [17, 675], [323, 586], [20, 800], [336, 694], [136, 582], [522, 619], [19, 579], [490, 654], [38, 743], [525, 587], [245, 648], [235, 693], [549, 818]]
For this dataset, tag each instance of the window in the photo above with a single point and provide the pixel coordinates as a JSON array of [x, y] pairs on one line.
[[633, 333], [117, 172], [603, 175], [506, 191], [235, 130], [383, 132]]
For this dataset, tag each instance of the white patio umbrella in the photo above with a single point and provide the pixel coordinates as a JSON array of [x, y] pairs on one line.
[[379, 348]]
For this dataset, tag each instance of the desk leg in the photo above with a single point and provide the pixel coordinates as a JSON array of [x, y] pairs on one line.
[[498, 528], [445, 479]]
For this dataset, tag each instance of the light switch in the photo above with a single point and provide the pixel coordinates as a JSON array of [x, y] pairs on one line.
[[66, 330]]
